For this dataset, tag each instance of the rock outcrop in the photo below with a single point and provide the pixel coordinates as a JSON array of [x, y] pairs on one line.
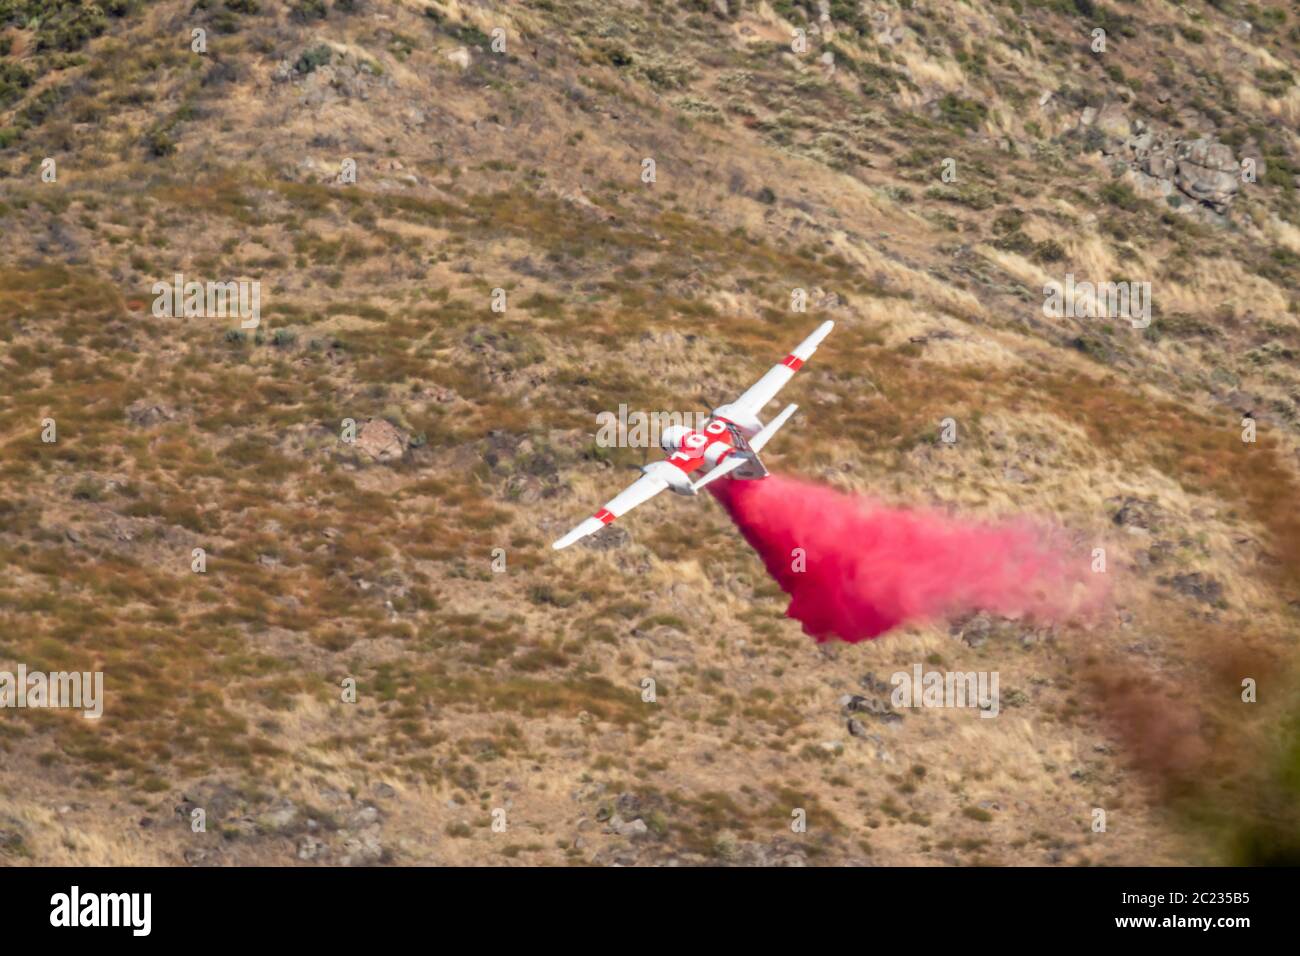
[[381, 441], [1200, 169]]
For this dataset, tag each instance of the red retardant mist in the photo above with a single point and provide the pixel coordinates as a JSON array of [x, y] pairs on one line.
[[867, 568]]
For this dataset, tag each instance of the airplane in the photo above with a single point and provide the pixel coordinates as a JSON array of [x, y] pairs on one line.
[[727, 445]]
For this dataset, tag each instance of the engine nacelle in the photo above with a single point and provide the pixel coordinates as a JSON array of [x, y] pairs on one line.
[[672, 437], [747, 422], [678, 481]]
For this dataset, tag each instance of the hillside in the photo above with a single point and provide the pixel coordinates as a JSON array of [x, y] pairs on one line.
[[921, 171]]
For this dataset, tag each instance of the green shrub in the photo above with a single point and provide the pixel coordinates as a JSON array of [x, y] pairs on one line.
[[1049, 250], [304, 10], [14, 79], [1121, 195], [160, 142], [967, 114], [470, 35], [69, 26], [1016, 242], [315, 57], [1008, 221]]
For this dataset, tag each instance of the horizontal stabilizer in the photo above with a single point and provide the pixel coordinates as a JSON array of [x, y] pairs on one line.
[[771, 428], [725, 468]]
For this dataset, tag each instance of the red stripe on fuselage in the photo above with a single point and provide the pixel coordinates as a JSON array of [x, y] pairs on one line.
[[793, 363], [696, 446], [605, 516]]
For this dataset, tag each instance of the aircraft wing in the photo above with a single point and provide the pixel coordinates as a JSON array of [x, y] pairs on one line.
[[765, 389], [639, 492]]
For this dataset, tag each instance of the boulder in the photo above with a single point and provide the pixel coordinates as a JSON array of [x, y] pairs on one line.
[[1207, 172], [1112, 121], [1196, 585], [1137, 513], [144, 413], [381, 441], [1149, 187]]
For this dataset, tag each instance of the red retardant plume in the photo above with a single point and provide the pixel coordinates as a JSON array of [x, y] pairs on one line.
[[868, 568]]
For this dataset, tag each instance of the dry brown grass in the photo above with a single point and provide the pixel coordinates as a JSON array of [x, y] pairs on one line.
[[480, 689]]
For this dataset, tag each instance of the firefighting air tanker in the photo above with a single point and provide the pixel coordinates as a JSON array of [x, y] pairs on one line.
[[728, 445]]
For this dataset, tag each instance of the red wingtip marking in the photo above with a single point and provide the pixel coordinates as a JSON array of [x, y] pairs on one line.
[[793, 362], [604, 516]]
